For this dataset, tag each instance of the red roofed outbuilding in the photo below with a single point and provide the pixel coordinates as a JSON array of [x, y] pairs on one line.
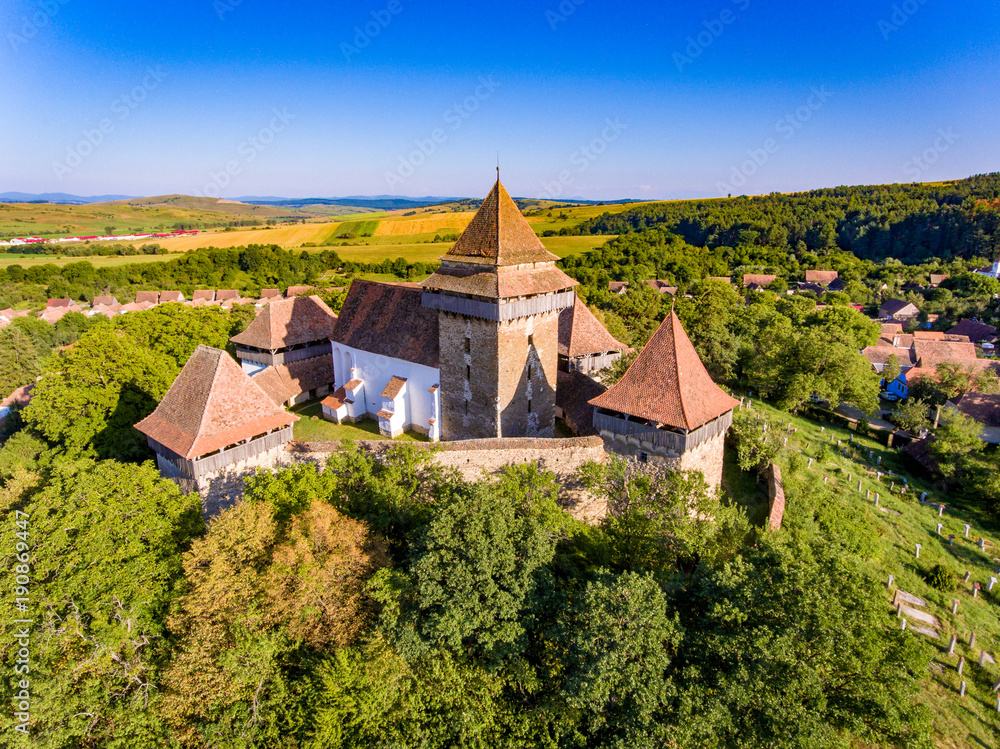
[[214, 420], [667, 408]]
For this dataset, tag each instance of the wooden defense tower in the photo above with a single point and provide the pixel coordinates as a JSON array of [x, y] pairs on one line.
[[498, 295]]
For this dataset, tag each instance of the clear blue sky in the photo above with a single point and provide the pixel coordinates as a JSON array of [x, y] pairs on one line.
[[694, 91]]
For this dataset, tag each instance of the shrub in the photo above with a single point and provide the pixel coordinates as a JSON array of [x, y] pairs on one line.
[[941, 578]]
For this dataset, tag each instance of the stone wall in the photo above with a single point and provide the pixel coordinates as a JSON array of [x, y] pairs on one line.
[[776, 494], [707, 457], [475, 458]]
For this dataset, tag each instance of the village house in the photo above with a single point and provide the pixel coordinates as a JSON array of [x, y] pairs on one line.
[[898, 309], [666, 408], [214, 425], [985, 409], [937, 279], [584, 344], [822, 277], [171, 296], [976, 331], [147, 297], [993, 271], [754, 281]]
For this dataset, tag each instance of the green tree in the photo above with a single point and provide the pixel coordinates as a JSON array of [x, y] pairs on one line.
[[618, 640], [19, 360], [956, 439], [104, 385], [911, 415], [472, 577], [105, 549], [261, 593], [892, 370]]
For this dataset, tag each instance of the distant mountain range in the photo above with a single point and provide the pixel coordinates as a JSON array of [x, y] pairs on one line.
[[375, 202], [57, 197]]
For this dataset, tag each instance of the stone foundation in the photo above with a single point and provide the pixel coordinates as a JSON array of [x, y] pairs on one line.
[[707, 457]]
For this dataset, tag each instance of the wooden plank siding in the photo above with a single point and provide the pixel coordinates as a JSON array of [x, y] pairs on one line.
[[675, 441]]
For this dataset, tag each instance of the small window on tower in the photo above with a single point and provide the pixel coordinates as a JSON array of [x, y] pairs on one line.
[[529, 405], [468, 372], [531, 371], [531, 340], [468, 345], [466, 408]]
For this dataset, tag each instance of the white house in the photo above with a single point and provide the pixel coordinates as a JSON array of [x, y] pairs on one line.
[[386, 360]]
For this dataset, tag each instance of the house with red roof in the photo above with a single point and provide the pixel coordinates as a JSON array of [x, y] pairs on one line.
[[214, 426], [666, 408]]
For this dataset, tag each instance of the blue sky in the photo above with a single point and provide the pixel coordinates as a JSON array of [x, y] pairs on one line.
[[596, 99]]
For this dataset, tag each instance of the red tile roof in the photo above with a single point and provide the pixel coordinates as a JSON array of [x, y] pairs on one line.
[[938, 278], [499, 256], [932, 353], [881, 354], [892, 307], [223, 294], [822, 277], [19, 398], [983, 408], [57, 303], [297, 291], [388, 320], [289, 322], [668, 384], [661, 286], [207, 295], [270, 293], [171, 296], [394, 387], [106, 301], [286, 381], [617, 286], [581, 334], [212, 404], [976, 331], [149, 297], [761, 279]]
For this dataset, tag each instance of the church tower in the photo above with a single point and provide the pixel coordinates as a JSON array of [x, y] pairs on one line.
[[498, 295]]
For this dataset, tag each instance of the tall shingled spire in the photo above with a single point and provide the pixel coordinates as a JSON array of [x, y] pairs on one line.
[[499, 235], [499, 256]]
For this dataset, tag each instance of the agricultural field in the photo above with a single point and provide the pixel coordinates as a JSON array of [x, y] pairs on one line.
[[145, 215], [898, 522]]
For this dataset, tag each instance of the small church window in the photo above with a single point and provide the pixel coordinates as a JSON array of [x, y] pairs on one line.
[[529, 405], [468, 372], [468, 345], [531, 371], [531, 340]]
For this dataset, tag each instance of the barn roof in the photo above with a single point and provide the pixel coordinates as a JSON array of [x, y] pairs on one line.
[[761, 279], [289, 322], [581, 334], [389, 320], [171, 296], [668, 384], [982, 407], [895, 306], [212, 404], [148, 297], [932, 353], [822, 277]]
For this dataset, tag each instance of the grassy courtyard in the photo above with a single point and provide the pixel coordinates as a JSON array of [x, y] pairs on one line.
[[312, 427]]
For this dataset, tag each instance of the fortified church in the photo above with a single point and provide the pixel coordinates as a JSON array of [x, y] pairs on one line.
[[493, 346]]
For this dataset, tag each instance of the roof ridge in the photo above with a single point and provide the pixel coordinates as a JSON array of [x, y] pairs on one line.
[[207, 391], [674, 321]]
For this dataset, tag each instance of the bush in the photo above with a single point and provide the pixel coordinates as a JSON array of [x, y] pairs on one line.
[[941, 578]]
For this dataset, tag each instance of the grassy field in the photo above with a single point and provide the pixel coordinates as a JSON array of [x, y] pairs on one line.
[[901, 522], [311, 427], [109, 261]]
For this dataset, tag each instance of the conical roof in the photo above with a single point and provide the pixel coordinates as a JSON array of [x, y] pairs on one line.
[[668, 384], [212, 404], [581, 334], [499, 235], [499, 256]]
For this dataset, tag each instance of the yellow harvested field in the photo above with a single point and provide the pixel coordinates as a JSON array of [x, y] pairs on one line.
[[408, 226], [286, 236]]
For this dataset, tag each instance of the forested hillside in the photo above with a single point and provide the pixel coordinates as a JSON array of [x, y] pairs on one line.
[[910, 223]]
